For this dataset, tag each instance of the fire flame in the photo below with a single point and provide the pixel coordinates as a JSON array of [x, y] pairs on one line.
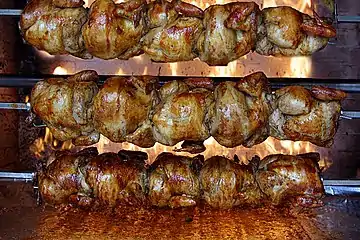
[[60, 71]]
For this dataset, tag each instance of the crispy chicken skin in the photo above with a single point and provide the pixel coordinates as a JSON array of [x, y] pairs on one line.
[[174, 181], [174, 29], [291, 179], [117, 178], [242, 111], [122, 109], [68, 3], [303, 115], [62, 178], [114, 30], [288, 32], [226, 184], [182, 114], [56, 30], [230, 32], [65, 106]]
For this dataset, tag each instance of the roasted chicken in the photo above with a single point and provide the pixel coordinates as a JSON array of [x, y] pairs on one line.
[[87, 179], [291, 179], [55, 26], [230, 32], [174, 29], [122, 109], [285, 31], [242, 111], [174, 181], [65, 106], [226, 184], [184, 113], [114, 30], [306, 115]]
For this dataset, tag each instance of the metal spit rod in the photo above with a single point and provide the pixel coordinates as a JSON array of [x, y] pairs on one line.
[[16, 176]]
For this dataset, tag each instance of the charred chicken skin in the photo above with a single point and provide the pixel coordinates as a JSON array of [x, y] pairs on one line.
[[114, 30], [226, 184], [174, 29], [65, 106], [87, 179], [128, 104], [306, 115], [55, 26], [174, 181], [285, 31], [294, 179], [230, 32]]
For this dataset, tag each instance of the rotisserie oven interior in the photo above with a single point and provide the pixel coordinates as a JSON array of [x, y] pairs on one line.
[[179, 119]]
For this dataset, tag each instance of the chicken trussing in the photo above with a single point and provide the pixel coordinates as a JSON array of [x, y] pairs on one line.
[[136, 110], [170, 31], [86, 179]]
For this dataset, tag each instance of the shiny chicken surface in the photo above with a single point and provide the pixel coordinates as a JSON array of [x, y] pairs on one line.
[[242, 111], [122, 109], [226, 184], [230, 32], [306, 115], [55, 26], [174, 29], [288, 32], [174, 181], [114, 30], [65, 106], [291, 179]]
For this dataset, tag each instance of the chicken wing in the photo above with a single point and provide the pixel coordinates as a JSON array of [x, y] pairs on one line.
[[230, 32], [65, 106], [174, 181]]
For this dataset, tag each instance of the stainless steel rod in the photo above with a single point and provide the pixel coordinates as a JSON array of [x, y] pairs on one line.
[[10, 12], [15, 106], [348, 19], [16, 176]]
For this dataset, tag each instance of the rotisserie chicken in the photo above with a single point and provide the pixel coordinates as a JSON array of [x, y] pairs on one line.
[[291, 179], [114, 30], [87, 179], [65, 106], [226, 184], [230, 32], [55, 26], [122, 109], [288, 32], [242, 111], [174, 29], [182, 114], [303, 115], [174, 180]]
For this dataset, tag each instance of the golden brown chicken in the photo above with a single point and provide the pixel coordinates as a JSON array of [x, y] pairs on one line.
[[230, 32], [288, 32], [184, 113], [123, 107], [291, 179], [117, 178], [174, 30], [242, 111], [174, 181], [55, 26], [114, 30], [226, 184], [303, 115], [62, 181], [65, 106]]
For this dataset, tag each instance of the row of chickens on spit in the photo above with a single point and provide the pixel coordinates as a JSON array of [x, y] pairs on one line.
[[138, 110], [88, 180], [170, 31]]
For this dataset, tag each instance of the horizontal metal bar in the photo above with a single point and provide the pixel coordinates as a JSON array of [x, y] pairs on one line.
[[15, 106], [16, 176], [350, 114], [10, 12], [348, 19]]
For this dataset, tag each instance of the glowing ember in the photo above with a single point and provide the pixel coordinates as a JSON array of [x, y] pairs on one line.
[[60, 71]]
